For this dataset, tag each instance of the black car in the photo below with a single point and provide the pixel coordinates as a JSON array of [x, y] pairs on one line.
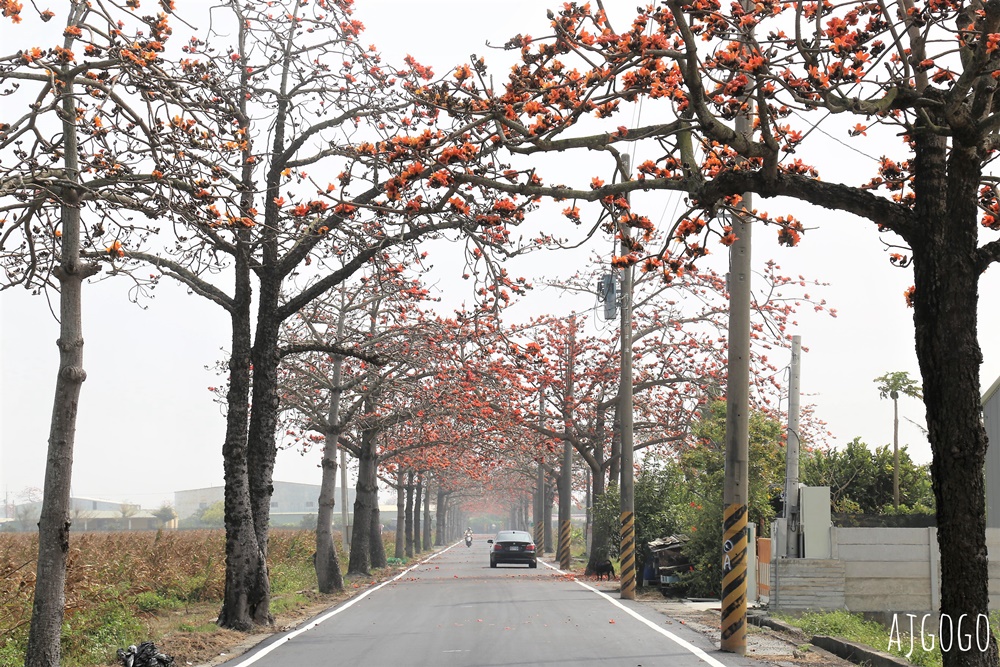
[[513, 546]]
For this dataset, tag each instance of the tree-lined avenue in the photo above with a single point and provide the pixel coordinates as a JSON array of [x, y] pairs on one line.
[[453, 609]]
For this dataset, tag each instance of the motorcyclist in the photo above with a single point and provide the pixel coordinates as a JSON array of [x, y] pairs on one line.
[[468, 535]]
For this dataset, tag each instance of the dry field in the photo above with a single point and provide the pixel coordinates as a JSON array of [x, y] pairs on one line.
[[126, 587]]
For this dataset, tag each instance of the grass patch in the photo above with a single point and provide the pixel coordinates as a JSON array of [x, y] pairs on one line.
[[92, 637], [200, 627], [281, 604], [854, 627]]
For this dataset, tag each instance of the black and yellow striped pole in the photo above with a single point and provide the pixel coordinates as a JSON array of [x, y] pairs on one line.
[[565, 560], [625, 421], [566, 474], [539, 513], [627, 585], [540, 481], [735, 491], [734, 578]]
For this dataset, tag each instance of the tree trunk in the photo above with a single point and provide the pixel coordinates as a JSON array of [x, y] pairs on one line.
[[427, 517], [365, 507], [400, 543], [376, 547], [261, 445], [442, 500], [945, 300], [247, 586], [615, 457], [550, 498], [417, 500], [328, 575], [329, 578], [600, 541], [54, 521], [408, 509]]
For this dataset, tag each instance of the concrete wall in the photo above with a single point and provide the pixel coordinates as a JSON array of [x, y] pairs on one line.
[[807, 584], [888, 569], [876, 570]]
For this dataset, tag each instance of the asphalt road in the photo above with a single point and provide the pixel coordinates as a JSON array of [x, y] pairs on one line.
[[453, 609]]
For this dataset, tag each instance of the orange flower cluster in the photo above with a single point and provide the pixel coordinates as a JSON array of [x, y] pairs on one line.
[[458, 205], [315, 206], [11, 10]]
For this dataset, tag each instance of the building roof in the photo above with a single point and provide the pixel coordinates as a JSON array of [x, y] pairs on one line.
[[275, 483], [994, 388], [86, 515]]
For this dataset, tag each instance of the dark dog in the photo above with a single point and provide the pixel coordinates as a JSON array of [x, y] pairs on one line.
[[605, 569]]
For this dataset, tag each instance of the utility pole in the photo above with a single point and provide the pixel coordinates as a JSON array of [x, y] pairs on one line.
[[539, 505], [894, 395], [627, 487], [736, 492], [566, 474], [792, 453]]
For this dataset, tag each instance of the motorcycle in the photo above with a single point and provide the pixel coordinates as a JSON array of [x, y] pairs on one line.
[[468, 540]]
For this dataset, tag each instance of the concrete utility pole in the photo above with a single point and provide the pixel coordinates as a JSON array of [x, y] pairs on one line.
[[627, 488], [566, 474], [539, 506], [736, 492], [792, 453]]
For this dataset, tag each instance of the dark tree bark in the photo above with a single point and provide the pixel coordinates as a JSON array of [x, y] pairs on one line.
[[442, 508], [417, 500], [261, 446], [427, 516], [408, 514], [600, 539], [946, 269], [400, 543], [615, 458], [54, 521], [328, 575], [376, 546], [247, 588], [365, 506]]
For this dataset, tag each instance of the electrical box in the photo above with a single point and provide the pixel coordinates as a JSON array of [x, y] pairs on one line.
[[815, 521], [607, 294]]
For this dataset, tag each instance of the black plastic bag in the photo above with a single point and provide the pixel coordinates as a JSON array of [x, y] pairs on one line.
[[143, 655]]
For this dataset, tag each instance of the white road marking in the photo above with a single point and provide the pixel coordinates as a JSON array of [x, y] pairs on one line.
[[347, 605], [639, 617]]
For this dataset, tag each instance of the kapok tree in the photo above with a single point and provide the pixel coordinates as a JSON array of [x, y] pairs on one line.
[[920, 75], [372, 317], [76, 149], [292, 152], [679, 364]]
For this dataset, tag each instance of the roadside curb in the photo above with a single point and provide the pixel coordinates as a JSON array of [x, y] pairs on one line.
[[859, 654]]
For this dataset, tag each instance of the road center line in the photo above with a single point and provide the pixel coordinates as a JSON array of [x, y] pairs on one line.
[[333, 612], [666, 633]]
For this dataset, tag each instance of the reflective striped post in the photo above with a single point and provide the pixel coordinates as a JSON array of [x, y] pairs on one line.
[[565, 562], [736, 491], [566, 474], [539, 509], [540, 481], [734, 579], [625, 401]]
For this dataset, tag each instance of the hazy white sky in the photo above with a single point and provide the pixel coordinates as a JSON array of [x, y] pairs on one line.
[[148, 425]]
